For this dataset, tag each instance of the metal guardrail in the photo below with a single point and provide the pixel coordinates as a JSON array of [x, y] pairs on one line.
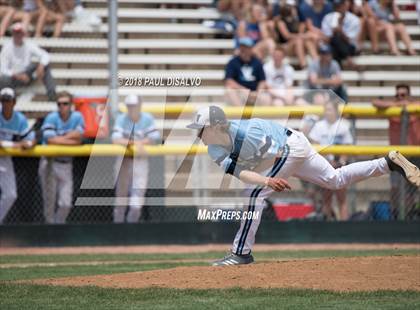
[[290, 111], [159, 150]]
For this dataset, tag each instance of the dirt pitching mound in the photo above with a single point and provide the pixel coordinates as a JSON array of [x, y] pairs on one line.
[[337, 274]]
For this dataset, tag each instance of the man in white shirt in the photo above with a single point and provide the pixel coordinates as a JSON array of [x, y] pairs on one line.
[[22, 62], [342, 28], [279, 77]]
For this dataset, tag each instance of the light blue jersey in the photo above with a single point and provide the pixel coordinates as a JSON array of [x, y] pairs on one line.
[[15, 128], [54, 126], [144, 128], [262, 140]]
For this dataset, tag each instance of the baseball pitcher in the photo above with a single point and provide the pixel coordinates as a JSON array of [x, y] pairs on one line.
[[264, 154]]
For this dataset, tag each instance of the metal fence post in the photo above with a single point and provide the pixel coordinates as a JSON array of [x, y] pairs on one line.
[[113, 54]]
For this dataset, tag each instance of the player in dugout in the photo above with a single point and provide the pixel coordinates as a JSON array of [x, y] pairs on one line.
[[14, 132], [264, 154]]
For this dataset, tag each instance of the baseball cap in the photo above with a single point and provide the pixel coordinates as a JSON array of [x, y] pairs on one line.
[[246, 41], [208, 116], [18, 27], [131, 100], [7, 94], [324, 49]]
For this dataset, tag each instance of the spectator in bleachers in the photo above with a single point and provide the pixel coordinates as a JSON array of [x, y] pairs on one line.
[[6, 15], [45, 13], [14, 132], [342, 29], [286, 28], [134, 128], [280, 78], [384, 19], [17, 68], [325, 73], [255, 27], [311, 16], [402, 99], [332, 130], [63, 127], [231, 11], [244, 75], [29, 12], [358, 8]]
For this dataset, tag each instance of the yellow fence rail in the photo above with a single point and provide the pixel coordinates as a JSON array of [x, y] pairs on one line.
[[162, 150], [290, 111]]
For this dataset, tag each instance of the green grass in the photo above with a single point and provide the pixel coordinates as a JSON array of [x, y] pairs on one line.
[[26, 296], [14, 296], [10, 259]]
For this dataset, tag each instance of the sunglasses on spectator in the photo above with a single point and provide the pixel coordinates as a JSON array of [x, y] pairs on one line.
[[59, 103]]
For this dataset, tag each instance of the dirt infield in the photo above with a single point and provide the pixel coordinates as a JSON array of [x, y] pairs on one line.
[[336, 274], [158, 249]]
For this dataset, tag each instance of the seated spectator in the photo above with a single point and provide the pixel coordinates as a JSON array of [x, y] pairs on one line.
[[244, 75], [255, 27], [28, 11], [402, 99], [358, 8], [311, 16], [325, 73], [333, 130], [342, 29], [16, 66], [64, 127], [14, 132], [134, 128], [231, 11], [6, 15], [46, 13], [280, 77], [384, 19], [286, 29]]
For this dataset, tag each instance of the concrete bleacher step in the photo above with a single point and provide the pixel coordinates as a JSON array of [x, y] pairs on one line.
[[210, 92], [83, 43], [200, 13], [168, 44], [164, 28], [208, 59], [217, 76]]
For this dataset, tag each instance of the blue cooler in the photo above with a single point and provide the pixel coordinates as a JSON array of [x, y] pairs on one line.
[[380, 210]]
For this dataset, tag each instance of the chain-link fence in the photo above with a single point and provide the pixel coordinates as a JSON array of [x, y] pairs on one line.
[[386, 198]]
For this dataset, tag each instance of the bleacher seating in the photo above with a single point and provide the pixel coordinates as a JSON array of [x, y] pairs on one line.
[[159, 41]]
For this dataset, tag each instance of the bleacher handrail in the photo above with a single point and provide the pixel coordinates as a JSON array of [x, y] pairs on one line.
[[289, 111], [163, 150]]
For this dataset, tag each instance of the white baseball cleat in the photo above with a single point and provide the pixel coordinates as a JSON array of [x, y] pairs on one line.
[[397, 162]]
